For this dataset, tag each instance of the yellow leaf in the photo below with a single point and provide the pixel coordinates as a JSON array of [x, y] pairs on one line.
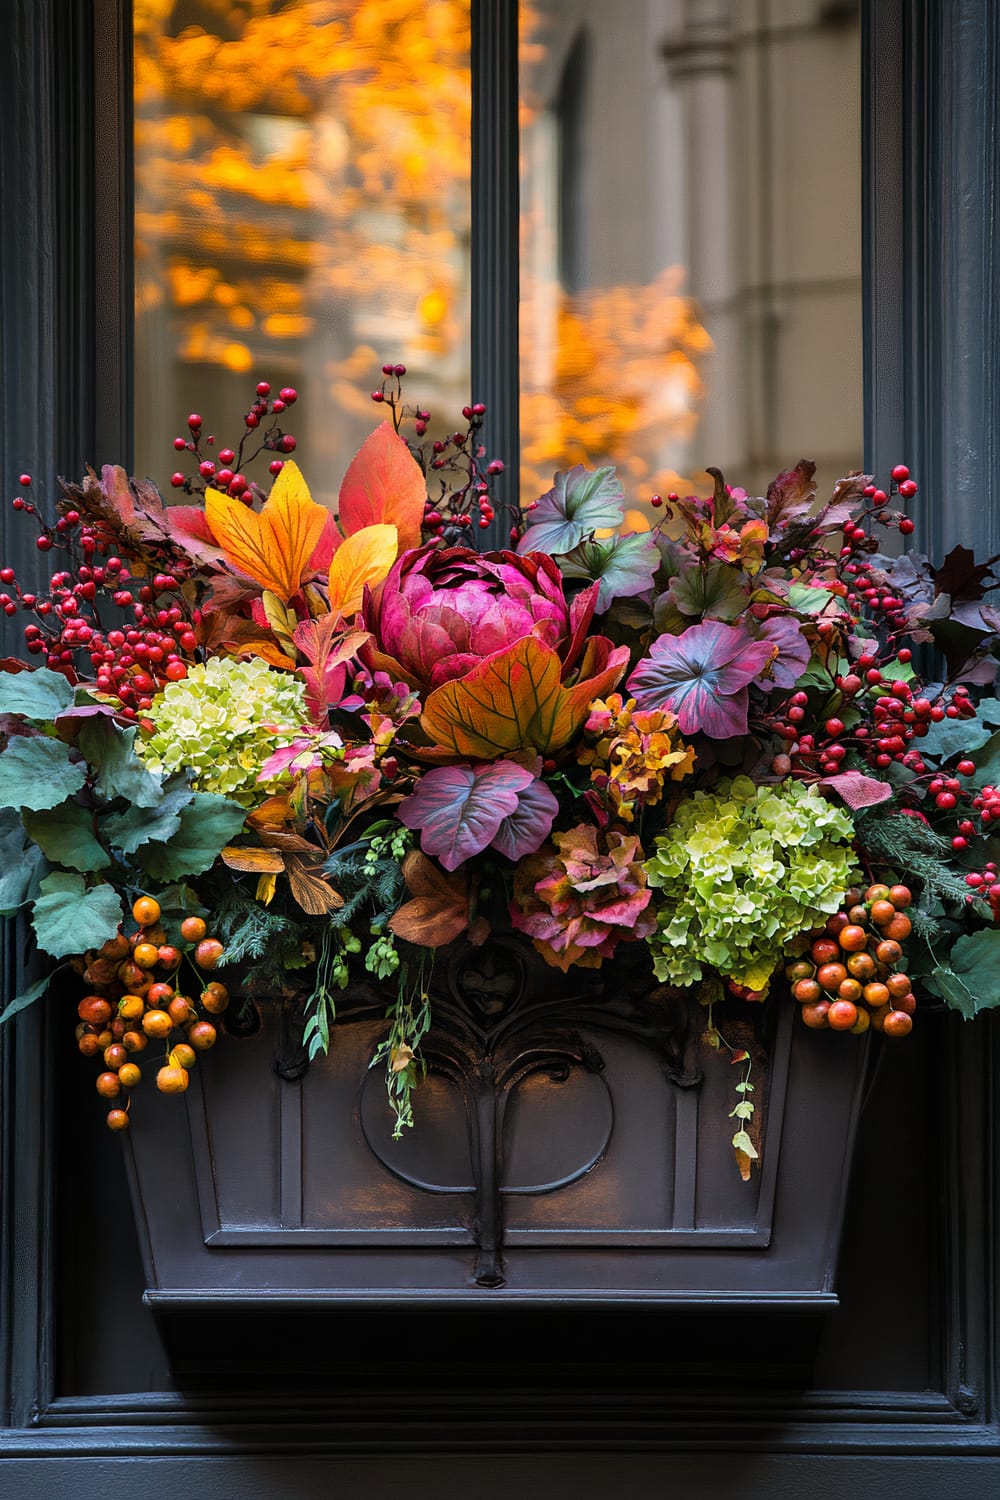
[[282, 620], [273, 548], [266, 887], [364, 558]]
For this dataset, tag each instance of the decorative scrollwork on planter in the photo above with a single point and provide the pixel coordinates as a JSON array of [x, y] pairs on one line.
[[500, 1017]]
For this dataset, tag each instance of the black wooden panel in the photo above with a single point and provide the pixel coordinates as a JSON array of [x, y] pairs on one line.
[[562, 1476]]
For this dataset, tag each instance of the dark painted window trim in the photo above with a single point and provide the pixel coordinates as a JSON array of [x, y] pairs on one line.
[[930, 75]]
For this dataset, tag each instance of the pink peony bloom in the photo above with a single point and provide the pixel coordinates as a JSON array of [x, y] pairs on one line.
[[439, 613]]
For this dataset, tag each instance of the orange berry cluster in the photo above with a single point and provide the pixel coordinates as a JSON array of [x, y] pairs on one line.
[[136, 998], [851, 979]]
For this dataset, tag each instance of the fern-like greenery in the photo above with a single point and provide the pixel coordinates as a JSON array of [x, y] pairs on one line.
[[909, 844]]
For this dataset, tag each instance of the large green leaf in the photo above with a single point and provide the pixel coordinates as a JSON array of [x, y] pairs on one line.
[[136, 826], [68, 918], [580, 502], [987, 759], [623, 565], [39, 694], [207, 824], [717, 593], [971, 982], [18, 865], [65, 835], [120, 772], [35, 772], [953, 737]]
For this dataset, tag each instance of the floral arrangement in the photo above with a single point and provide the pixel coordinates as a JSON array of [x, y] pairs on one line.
[[291, 745]]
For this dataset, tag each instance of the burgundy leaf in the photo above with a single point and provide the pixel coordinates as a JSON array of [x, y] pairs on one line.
[[790, 495], [858, 790], [962, 577], [528, 826], [784, 632], [459, 809], [702, 676]]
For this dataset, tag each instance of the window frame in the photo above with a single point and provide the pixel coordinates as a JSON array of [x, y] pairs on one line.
[[930, 76]]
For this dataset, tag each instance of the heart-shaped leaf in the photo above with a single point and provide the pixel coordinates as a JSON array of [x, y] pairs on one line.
[[716, 591], [622, 565], [458, 809], [528, 826], [65, 835], [120, 772], [40, 694], [580, 502], [384, 483], [858, 790], [207, 824], [513, 701], [273, 548], [136, 826], [971, 982], [702, 677], [69, 918], [36, 772]]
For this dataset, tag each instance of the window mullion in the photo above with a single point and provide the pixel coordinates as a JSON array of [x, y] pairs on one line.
[[495, 217]]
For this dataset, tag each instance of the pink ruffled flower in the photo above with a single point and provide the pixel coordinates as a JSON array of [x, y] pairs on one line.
[[578, 900], [439, 613]]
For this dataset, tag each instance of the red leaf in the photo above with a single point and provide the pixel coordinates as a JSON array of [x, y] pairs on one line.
[[384, 483]]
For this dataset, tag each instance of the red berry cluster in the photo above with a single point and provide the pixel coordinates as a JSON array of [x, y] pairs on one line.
[[985, 884], [133, 653], [463, 490], [224, 471], [155, 637]]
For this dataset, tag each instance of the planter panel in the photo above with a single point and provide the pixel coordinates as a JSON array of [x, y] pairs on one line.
[[572, 1143]]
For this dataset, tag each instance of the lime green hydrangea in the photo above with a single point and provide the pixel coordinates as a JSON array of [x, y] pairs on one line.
[[743, 870], [221, 722]]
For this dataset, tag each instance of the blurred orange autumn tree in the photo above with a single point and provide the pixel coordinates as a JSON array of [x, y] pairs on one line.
[[302, 213]]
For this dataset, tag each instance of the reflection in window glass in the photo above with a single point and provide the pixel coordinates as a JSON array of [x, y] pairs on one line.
[[691, 283], [302, 213]]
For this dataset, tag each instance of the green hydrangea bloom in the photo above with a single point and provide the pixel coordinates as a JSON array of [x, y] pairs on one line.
[[213, 724], [743, 870]]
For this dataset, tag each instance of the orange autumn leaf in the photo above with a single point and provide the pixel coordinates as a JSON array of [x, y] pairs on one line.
[[514, 701], [439, 910], [253, 861], [384, 483], [363, 558], [275, 547]]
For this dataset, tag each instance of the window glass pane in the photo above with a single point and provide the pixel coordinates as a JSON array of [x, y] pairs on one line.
[[302, 213], [691, 267]]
